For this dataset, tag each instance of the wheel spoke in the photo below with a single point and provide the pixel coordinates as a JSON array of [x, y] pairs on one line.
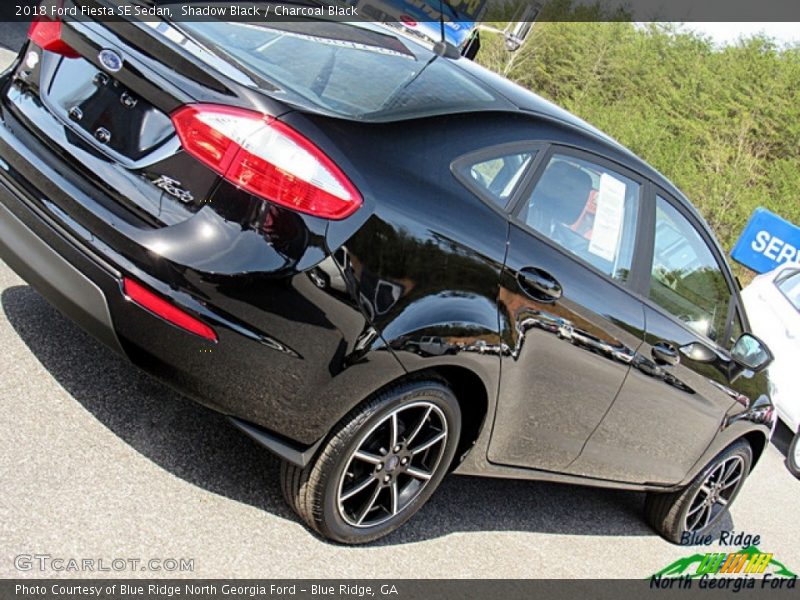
[[419, 426], [359, 488], [372, 459], [697, 519], [708, 516], [394, 433], [732, 471], [694, 510], [395, 497], [434, 440], [705, 489], [722, 501], [419, 473], [727, 468], [368, 507], [731, 482]]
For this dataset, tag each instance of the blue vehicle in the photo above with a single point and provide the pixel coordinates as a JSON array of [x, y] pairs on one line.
[[461, 19], [422, 18]]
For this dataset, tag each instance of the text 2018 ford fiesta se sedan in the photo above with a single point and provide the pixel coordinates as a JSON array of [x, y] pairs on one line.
[[381, 263]]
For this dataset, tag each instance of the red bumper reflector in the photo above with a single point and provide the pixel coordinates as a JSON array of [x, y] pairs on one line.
[[169, 312]]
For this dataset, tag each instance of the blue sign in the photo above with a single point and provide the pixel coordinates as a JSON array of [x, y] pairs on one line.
[[767, 242]]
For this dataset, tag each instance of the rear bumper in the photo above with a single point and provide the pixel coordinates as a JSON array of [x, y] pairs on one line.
[[66, 286], [87, 290]]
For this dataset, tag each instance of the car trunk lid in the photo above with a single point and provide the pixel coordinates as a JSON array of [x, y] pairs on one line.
[[106, 110]]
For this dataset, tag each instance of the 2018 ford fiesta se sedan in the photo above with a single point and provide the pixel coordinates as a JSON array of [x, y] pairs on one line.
[[381, 263]]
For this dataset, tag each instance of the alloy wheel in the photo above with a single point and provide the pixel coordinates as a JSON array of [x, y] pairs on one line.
[[714, 495], [392, 463]]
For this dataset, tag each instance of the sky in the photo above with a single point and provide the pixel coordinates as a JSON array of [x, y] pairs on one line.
[[724, 33]]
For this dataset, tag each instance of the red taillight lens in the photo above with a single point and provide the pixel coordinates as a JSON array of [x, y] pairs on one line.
[[267, 158], [46, 33], [169, 312]]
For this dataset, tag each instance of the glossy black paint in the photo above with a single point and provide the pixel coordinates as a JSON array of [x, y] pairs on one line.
[[546, 411], [562, 373]]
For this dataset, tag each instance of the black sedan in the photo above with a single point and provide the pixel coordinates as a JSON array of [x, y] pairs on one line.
[[382, 262]]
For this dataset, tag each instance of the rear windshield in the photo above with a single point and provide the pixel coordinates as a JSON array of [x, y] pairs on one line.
[[351, 71]]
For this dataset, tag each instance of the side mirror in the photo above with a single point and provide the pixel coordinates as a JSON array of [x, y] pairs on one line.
[[751, 353]]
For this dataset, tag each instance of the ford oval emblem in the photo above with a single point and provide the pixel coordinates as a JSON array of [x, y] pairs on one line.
[[110, 60]]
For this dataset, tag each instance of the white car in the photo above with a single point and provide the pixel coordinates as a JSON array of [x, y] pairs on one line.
[[772, 302]]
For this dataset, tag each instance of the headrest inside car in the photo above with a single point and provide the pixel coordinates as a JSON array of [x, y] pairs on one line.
[[561, 193]]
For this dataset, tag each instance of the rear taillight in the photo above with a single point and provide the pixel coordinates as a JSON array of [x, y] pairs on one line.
[[164, 309], [45, 32], [267, 158]]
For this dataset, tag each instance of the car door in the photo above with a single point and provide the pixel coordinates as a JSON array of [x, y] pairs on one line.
[[570, 325], [675, 398]]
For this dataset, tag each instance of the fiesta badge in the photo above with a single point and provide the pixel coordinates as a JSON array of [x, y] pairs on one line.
[[110, 60]]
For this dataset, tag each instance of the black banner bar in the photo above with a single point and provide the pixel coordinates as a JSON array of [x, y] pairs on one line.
[[386, 589], [480, 11]]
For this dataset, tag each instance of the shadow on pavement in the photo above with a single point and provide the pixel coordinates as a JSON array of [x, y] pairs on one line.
[[200, 446]]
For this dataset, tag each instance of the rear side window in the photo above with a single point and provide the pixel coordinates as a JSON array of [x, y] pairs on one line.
[[686, 280], [494, 178], [587, 209]]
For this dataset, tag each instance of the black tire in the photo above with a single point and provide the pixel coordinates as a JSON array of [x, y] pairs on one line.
[[792, 457], [669, 513], [317, 492]]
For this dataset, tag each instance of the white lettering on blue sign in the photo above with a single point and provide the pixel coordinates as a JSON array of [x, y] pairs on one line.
[[766, 242], [773, 247]]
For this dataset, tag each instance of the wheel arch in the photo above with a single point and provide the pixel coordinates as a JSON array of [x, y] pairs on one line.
[[470, 390], [758, 443], [473, 399], [755, 436]]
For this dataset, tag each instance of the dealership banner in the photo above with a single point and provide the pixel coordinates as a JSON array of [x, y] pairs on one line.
[[469, 11], [385, 589]]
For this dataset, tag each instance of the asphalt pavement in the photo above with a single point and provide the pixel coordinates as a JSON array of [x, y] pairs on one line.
[[99, 461], [12, 35]]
